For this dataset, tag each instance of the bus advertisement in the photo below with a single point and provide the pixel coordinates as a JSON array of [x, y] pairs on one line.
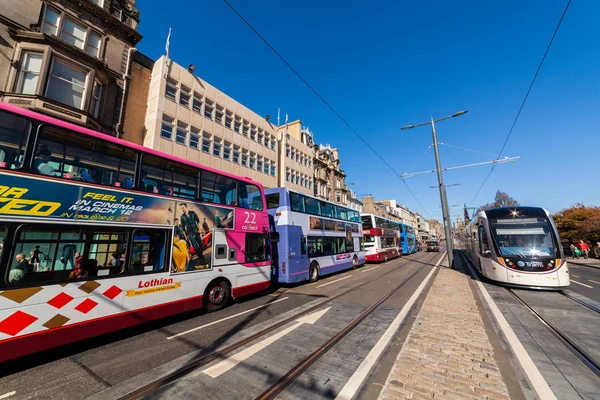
[[381, 238], [98, 234], [316, 237]]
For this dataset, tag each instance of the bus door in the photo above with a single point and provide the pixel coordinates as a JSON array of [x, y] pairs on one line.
[[303, 254]]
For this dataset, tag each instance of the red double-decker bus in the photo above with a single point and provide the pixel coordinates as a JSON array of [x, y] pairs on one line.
[[381, 238]]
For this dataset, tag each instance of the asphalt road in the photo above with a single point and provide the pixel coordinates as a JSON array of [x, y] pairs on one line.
[[585, 280], [96, 365]]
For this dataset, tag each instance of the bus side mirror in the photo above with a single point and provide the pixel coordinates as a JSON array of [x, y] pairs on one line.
[[275, 237], [487, 254]]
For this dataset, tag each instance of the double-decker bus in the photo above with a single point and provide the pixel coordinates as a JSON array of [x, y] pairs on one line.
[[316, 237], [97, 234], [408, 239], [381, 238]]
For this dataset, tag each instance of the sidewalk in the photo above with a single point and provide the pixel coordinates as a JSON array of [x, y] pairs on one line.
[[590, 262], [447, 353]]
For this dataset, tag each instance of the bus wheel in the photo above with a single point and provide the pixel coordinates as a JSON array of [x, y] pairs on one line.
[[313, 272], [355, 262], [216, 296]]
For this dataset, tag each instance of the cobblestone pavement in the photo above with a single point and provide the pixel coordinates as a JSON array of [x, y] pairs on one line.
[[447, 354]]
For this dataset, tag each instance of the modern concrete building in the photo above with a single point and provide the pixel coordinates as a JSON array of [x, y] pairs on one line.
[[329, 178], [189, 118], [69, 58], [295, 157]]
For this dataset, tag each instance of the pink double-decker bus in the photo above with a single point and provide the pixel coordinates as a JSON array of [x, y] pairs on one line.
[[98, 234]]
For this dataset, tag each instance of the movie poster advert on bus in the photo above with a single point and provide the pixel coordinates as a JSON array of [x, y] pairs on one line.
[[193, 223], [320, 224]]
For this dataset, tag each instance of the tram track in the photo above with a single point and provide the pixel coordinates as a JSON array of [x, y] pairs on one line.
[[298, 369], [577, 351], [581, 302]]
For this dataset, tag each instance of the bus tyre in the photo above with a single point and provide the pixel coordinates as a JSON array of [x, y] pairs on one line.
[[313, 272], [355, 262], [217, 296]]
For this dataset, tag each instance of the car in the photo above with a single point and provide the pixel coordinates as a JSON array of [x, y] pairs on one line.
[[433, 245]]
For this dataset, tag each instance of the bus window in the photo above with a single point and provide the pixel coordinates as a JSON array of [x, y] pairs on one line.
[[342, 213], [73, 156], [250, 197], [147, 252], [168, 178], [14, 134], [367, 222], [257, 247], [326, 209], [297, 202], [312, 206], [272, 200]]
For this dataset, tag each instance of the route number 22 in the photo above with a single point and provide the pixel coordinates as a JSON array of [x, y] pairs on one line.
[[250, 218]]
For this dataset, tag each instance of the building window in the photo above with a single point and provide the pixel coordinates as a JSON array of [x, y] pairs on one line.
[[29, 74], [252, 160], [93, 44], [228, 122], [219, 115], [166, 129], [246, 128], [259, 164], [259, 139], [96, 97], [181, 134], [267, 139], [171, 89], [217, 147], [287, 174], [194, 137], [244, 157], [266, 167], [253, 133], [206, 142], [237, 125], [51, 21], [66, 84], [227, 151], [338, 197], [98, 2], [208, 109], [73, 33], [184, 96], [287, 151], [236, 154], [273, 144], [293, 153], [197, 103], [273, 168]]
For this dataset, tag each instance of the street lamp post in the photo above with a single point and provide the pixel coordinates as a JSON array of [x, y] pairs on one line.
[[443, 197]]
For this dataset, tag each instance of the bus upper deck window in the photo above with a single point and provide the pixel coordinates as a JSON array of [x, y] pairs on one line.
[[14, 134]]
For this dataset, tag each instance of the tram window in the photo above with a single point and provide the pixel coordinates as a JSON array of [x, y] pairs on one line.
[[74, 156], [14, 134], [257, 247], [147, 252], [272, 200], [169, 178], [483, 242], [297, 202], [250, 196]]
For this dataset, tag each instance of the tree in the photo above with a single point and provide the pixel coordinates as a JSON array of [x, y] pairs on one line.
[[578, 222], [502, 199]]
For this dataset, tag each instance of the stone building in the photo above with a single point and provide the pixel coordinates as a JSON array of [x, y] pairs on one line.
[[329, 178], [69, 58], [295, 157], [354, 203]]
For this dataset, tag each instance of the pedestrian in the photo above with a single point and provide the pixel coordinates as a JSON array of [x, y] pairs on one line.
[[585, 249], [574, 251], [597, 249]]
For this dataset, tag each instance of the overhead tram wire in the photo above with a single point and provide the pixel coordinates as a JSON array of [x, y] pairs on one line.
[[321, 98], [524, 100]]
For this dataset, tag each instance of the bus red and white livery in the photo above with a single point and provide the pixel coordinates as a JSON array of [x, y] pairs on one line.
[[381, 238], [97, 234]]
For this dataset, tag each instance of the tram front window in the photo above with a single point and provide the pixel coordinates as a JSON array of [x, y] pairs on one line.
[[523, 237]]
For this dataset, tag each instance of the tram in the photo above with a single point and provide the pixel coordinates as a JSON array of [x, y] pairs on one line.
[[517, 246]]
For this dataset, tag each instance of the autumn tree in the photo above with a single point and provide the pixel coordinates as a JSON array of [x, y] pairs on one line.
[[579, 222], [502, 199]]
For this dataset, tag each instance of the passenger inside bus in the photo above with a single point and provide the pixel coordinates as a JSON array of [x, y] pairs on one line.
[[40, 164], [18, 271]]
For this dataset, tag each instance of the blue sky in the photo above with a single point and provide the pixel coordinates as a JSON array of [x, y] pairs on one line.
[[385, 64]]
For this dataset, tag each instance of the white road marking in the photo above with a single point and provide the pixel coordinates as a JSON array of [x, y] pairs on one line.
[[230, 362], [533, 373], [6, 395], [582, 284], [224, 319], [367, 270], [363, 370], [337, 280]]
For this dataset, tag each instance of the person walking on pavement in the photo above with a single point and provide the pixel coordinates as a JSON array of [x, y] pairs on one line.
[[597, 249], [575, 251], [585, 249]]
